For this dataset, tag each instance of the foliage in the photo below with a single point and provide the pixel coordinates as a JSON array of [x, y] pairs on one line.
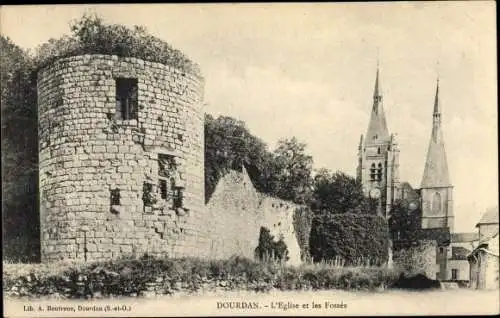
[[269, 249], [90, 35], [230, 145], [339, 193], [131, 276], [404, 223], [302, 222], [284, 173], [352, 237], [19, 153], [405, 227], [289, 174]]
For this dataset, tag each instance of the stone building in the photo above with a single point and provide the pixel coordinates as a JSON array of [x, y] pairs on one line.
[[121, 167], [238, 211], [121, 158], [436, 189], [461, 245], [484, 260], [378, 172], [378, 156]]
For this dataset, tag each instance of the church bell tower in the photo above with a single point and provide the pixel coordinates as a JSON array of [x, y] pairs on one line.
[[436, 188], [378, 156]]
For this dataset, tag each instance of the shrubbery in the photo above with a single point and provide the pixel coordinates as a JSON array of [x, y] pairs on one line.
[[302, 222], [269, 249], [357, 239], [92, 36], [169, 276]]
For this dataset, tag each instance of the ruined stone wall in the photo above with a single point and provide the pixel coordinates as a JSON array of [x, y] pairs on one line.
[[85, 153], [417, 259], [238, 211]]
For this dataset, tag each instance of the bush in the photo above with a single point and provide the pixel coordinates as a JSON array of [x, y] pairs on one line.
[[129, 276], [269, 249], [302, 221], [92, 36], [354, 238]]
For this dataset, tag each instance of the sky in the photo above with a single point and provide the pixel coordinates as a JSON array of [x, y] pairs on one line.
[[308, 70]]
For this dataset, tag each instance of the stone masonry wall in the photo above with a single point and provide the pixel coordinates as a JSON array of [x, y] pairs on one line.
[[417, 259], [238, 211], [85, 153]]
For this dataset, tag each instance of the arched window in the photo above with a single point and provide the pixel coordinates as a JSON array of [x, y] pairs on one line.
[[373, 172], [378, 150], [379, 172], [436, 203]]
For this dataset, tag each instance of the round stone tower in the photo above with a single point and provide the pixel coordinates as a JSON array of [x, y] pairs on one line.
[[121, 158]]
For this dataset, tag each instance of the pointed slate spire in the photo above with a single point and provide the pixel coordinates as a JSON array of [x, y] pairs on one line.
[[436, 166], [377, 127], [436, 99]]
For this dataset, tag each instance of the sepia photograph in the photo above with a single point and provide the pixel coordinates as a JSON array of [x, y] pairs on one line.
[[258, 159]]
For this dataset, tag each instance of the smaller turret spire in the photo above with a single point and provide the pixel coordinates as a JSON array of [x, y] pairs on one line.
[[360, 146]]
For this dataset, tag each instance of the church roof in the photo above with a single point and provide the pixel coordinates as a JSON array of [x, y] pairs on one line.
[[377, 127], [440, 235], [436, 165], [464, 237]]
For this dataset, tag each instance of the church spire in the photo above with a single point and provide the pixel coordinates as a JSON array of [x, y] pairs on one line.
[[436, 99], [377, 127], [436, 167], [436, 115]]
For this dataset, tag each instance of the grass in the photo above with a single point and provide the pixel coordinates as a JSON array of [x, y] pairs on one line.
[[133, 276]]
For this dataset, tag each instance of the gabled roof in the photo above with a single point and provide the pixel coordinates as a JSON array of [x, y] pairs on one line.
[[440, 235], [490, 217], [464, 237], [490, 246]]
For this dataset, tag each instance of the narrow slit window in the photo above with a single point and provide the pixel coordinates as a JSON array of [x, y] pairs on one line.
[[379, 172], [372, 172], [147, 194], [115, 197], [126, 98], [163, 189], [166, 173], [178, 197]]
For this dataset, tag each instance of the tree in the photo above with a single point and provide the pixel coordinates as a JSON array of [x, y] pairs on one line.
[[90, 35], [19, 153], [355, 238], [339, 193], [289, 172], [404, 223], [269, 249], [230, 145]]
